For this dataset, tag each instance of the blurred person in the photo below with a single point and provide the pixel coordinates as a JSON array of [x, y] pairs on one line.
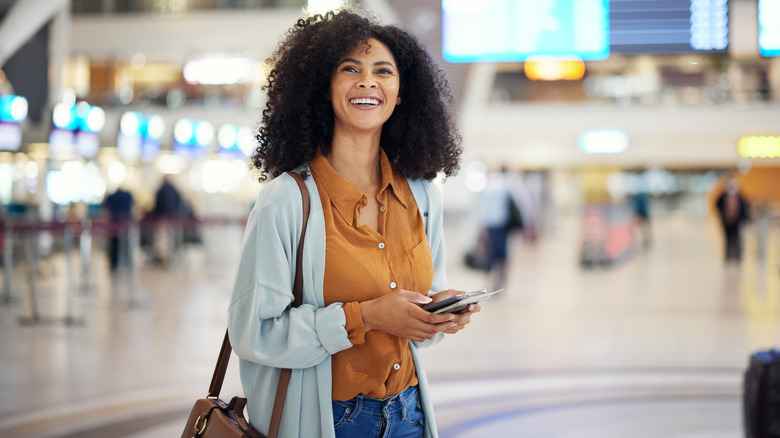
[[2, 229], [360, 110], [640, 204], [762, 215], [497, 216], [733, 211], [167, 200], [166, 213], [530, 199], [120, 210]]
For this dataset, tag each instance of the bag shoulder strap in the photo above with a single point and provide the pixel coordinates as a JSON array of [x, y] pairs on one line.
[[284, 377], [298, 284], [284, 374], [219, 372]]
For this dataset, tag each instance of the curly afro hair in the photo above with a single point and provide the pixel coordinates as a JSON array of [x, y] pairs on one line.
[[419, 138]]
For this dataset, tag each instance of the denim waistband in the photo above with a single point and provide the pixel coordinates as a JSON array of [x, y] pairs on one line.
[[387, 405]]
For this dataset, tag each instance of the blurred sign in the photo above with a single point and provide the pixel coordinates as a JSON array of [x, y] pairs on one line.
[[218, 70], [554, 70], [769, 27], [75, 130], [759, 146], [13, 111], [13, 108], [604, 141], [10, 136], [139, 136], [513, 30], [192, 138], [668, 26], [236, 140]]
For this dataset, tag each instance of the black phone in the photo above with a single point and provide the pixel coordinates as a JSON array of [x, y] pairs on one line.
[[459, 303]]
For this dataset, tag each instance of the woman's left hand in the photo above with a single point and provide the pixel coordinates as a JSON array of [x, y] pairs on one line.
[[461, 319]]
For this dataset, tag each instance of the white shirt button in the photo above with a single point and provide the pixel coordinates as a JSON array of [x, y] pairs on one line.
[[392, 285], [396, 367], [382, 208], [382, 245]]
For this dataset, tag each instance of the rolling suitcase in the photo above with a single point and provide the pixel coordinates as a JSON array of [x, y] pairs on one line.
[[761, 395]]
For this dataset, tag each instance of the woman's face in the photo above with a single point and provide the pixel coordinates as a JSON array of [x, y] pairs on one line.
[[364, 88]]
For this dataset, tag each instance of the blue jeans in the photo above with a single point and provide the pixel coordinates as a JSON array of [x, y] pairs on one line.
[[364, 417]]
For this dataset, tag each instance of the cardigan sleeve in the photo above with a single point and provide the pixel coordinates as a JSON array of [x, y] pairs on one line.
[[262, 325]]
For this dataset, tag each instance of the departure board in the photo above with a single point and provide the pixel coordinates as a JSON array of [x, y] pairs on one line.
[[513, 30], [668, 26], [769, 27]]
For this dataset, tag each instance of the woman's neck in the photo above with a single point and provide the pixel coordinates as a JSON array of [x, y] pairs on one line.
[[357, 160]]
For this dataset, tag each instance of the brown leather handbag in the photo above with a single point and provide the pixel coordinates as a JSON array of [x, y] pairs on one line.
[[212, 417]]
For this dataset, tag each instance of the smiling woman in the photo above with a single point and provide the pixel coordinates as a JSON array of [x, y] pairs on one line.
[[364, 89], [419, 137], [360, 110]]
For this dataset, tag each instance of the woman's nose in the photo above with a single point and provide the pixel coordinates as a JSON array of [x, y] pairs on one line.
[[367, 82]]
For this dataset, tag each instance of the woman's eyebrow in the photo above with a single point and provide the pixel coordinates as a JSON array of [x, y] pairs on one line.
[[355, 61]]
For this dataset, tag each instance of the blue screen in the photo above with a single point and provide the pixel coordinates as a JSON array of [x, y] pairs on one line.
[[668, 26], [769, 27], [513, 30]]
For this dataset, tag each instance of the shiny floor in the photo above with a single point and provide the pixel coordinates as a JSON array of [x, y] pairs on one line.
[[654, 346]]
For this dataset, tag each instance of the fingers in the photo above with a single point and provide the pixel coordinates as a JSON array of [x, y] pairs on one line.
[[400, 314], [430, 330], [443, 295], [462, 319], [415, 297], [426, 325]]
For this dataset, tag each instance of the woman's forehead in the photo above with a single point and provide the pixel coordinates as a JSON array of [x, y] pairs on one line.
[[370, 46]]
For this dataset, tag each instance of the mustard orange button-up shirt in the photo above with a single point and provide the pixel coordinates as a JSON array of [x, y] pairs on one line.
[[361, 264]]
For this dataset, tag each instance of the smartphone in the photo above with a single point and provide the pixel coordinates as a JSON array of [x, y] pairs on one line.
[[459, 303]]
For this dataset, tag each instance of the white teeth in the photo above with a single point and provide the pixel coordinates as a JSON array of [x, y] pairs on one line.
[[364, 101]]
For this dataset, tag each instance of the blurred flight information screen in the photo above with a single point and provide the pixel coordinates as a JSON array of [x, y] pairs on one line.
[[668, 26], [769, 27], [514, 30]]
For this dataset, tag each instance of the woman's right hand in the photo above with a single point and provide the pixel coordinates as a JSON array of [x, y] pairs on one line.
[[399, 314]]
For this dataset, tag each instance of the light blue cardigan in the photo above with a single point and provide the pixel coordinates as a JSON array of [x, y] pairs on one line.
[[267, 335]]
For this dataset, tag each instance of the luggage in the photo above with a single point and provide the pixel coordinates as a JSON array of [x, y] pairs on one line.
[[761, 395]]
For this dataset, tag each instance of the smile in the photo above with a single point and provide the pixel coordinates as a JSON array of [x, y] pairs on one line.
[[369, 101]]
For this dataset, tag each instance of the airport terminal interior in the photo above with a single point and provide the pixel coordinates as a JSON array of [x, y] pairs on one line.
[[626, 312]]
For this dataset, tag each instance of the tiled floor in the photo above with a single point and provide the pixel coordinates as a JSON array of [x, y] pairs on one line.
[[652, 347]]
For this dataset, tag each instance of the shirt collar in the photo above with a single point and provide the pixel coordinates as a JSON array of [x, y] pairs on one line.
[[343, 194]]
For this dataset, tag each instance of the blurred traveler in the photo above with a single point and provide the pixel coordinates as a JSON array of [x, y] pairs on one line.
[[498, 215], [167, 212], [2, 229], [733, 210], [360, 110], [762, 217], [640, 203], [120, 210], [167, 200]]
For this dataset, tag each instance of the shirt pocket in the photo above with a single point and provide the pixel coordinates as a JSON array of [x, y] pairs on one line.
[[421, 262]]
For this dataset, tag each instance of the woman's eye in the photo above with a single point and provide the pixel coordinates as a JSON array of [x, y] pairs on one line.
[[385, 71], [350, 69]]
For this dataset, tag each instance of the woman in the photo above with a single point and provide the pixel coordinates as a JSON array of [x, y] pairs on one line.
[[360, 110]]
